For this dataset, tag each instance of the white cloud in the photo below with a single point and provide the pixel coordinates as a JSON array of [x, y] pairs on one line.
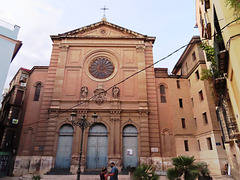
[[37, 20]]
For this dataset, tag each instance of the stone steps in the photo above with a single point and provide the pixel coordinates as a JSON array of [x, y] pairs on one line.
[[72, 177]]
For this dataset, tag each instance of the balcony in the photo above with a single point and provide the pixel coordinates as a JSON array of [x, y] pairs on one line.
[[219, 85], [223, 61]]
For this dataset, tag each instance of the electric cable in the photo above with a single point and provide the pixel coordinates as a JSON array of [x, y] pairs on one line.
[[147, 67]]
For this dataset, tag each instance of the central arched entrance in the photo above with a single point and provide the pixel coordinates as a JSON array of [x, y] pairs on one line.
[[130, 146], [64, 149], [97, 149]]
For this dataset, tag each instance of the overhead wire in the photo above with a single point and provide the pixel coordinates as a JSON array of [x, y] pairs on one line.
[[122, 81]]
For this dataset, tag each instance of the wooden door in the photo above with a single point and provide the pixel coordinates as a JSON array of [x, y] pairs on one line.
[[130, 146], [64, 150], [97, 149]]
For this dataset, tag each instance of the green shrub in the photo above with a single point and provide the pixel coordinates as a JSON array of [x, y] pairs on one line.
[[145, 172], [36, 177]]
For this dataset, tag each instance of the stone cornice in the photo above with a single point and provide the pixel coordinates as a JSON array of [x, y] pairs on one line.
[[75, 33]]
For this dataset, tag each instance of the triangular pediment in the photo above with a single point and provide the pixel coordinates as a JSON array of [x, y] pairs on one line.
[[102, 29]]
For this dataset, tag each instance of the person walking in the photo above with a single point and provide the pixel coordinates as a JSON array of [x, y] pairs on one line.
[[114, 172]]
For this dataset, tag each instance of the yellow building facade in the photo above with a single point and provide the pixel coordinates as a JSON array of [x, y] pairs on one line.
[[219, 25]]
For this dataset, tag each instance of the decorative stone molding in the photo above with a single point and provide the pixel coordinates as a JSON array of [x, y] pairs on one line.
[[115, 92], [99, 94], [82, 112], [129, 120], [115, 111], [84, 92], [115, 119], [63, 47], [140, 48], [143, 112]]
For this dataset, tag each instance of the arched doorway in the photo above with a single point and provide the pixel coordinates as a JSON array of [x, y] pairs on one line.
[[64, 149], [130, 146], [97, 149]]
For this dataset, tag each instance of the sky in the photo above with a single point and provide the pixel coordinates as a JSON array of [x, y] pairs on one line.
[[171, 22]]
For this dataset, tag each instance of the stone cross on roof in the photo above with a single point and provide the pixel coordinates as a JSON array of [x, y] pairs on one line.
[[104, 17]]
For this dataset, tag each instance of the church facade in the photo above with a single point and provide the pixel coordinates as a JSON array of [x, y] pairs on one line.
[[143, 117]]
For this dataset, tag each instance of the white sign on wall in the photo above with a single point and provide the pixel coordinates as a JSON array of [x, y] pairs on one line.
[[129, 152], [15, 121], [154, 149]]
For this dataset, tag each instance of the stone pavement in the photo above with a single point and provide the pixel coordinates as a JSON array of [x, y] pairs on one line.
[[96, 177]]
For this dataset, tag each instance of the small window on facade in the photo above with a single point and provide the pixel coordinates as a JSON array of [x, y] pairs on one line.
[[37, 92], [162, 94], [223, 142], [192, 102], [180, 103], [186, 67], [197, 75], [18, 98], [186, 145], [178, 83], [163, 99], [199, 146], [195, 120], [183, 123], [231, 77], [206, 4], [209, 144], [194, 56], [205, 120], [189, 82], [200, 93]]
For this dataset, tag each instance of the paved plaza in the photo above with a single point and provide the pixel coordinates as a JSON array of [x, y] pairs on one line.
[[95, 177]]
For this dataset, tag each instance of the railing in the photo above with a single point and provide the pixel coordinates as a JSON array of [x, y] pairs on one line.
[[6, 25]]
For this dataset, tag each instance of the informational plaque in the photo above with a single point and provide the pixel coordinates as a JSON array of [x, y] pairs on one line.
[[154, 149], [129, 152]]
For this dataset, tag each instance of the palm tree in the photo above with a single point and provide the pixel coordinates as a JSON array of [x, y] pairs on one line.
[[145, 172], [183, 167], [203, 171]]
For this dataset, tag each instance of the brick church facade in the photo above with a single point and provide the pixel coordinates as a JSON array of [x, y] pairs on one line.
[[149, 118]]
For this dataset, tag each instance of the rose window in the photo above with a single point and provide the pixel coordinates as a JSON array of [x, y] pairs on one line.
[[101, 68]]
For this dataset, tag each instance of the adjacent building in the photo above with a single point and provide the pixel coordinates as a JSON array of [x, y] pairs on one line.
[[9, 48], [218, 23], [11, 120], [145, 117]]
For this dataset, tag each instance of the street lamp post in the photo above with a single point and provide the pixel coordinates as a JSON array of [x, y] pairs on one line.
[[82, 123]]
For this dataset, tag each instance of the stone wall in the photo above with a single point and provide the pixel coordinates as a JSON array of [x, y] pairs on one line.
[[32, 165]]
